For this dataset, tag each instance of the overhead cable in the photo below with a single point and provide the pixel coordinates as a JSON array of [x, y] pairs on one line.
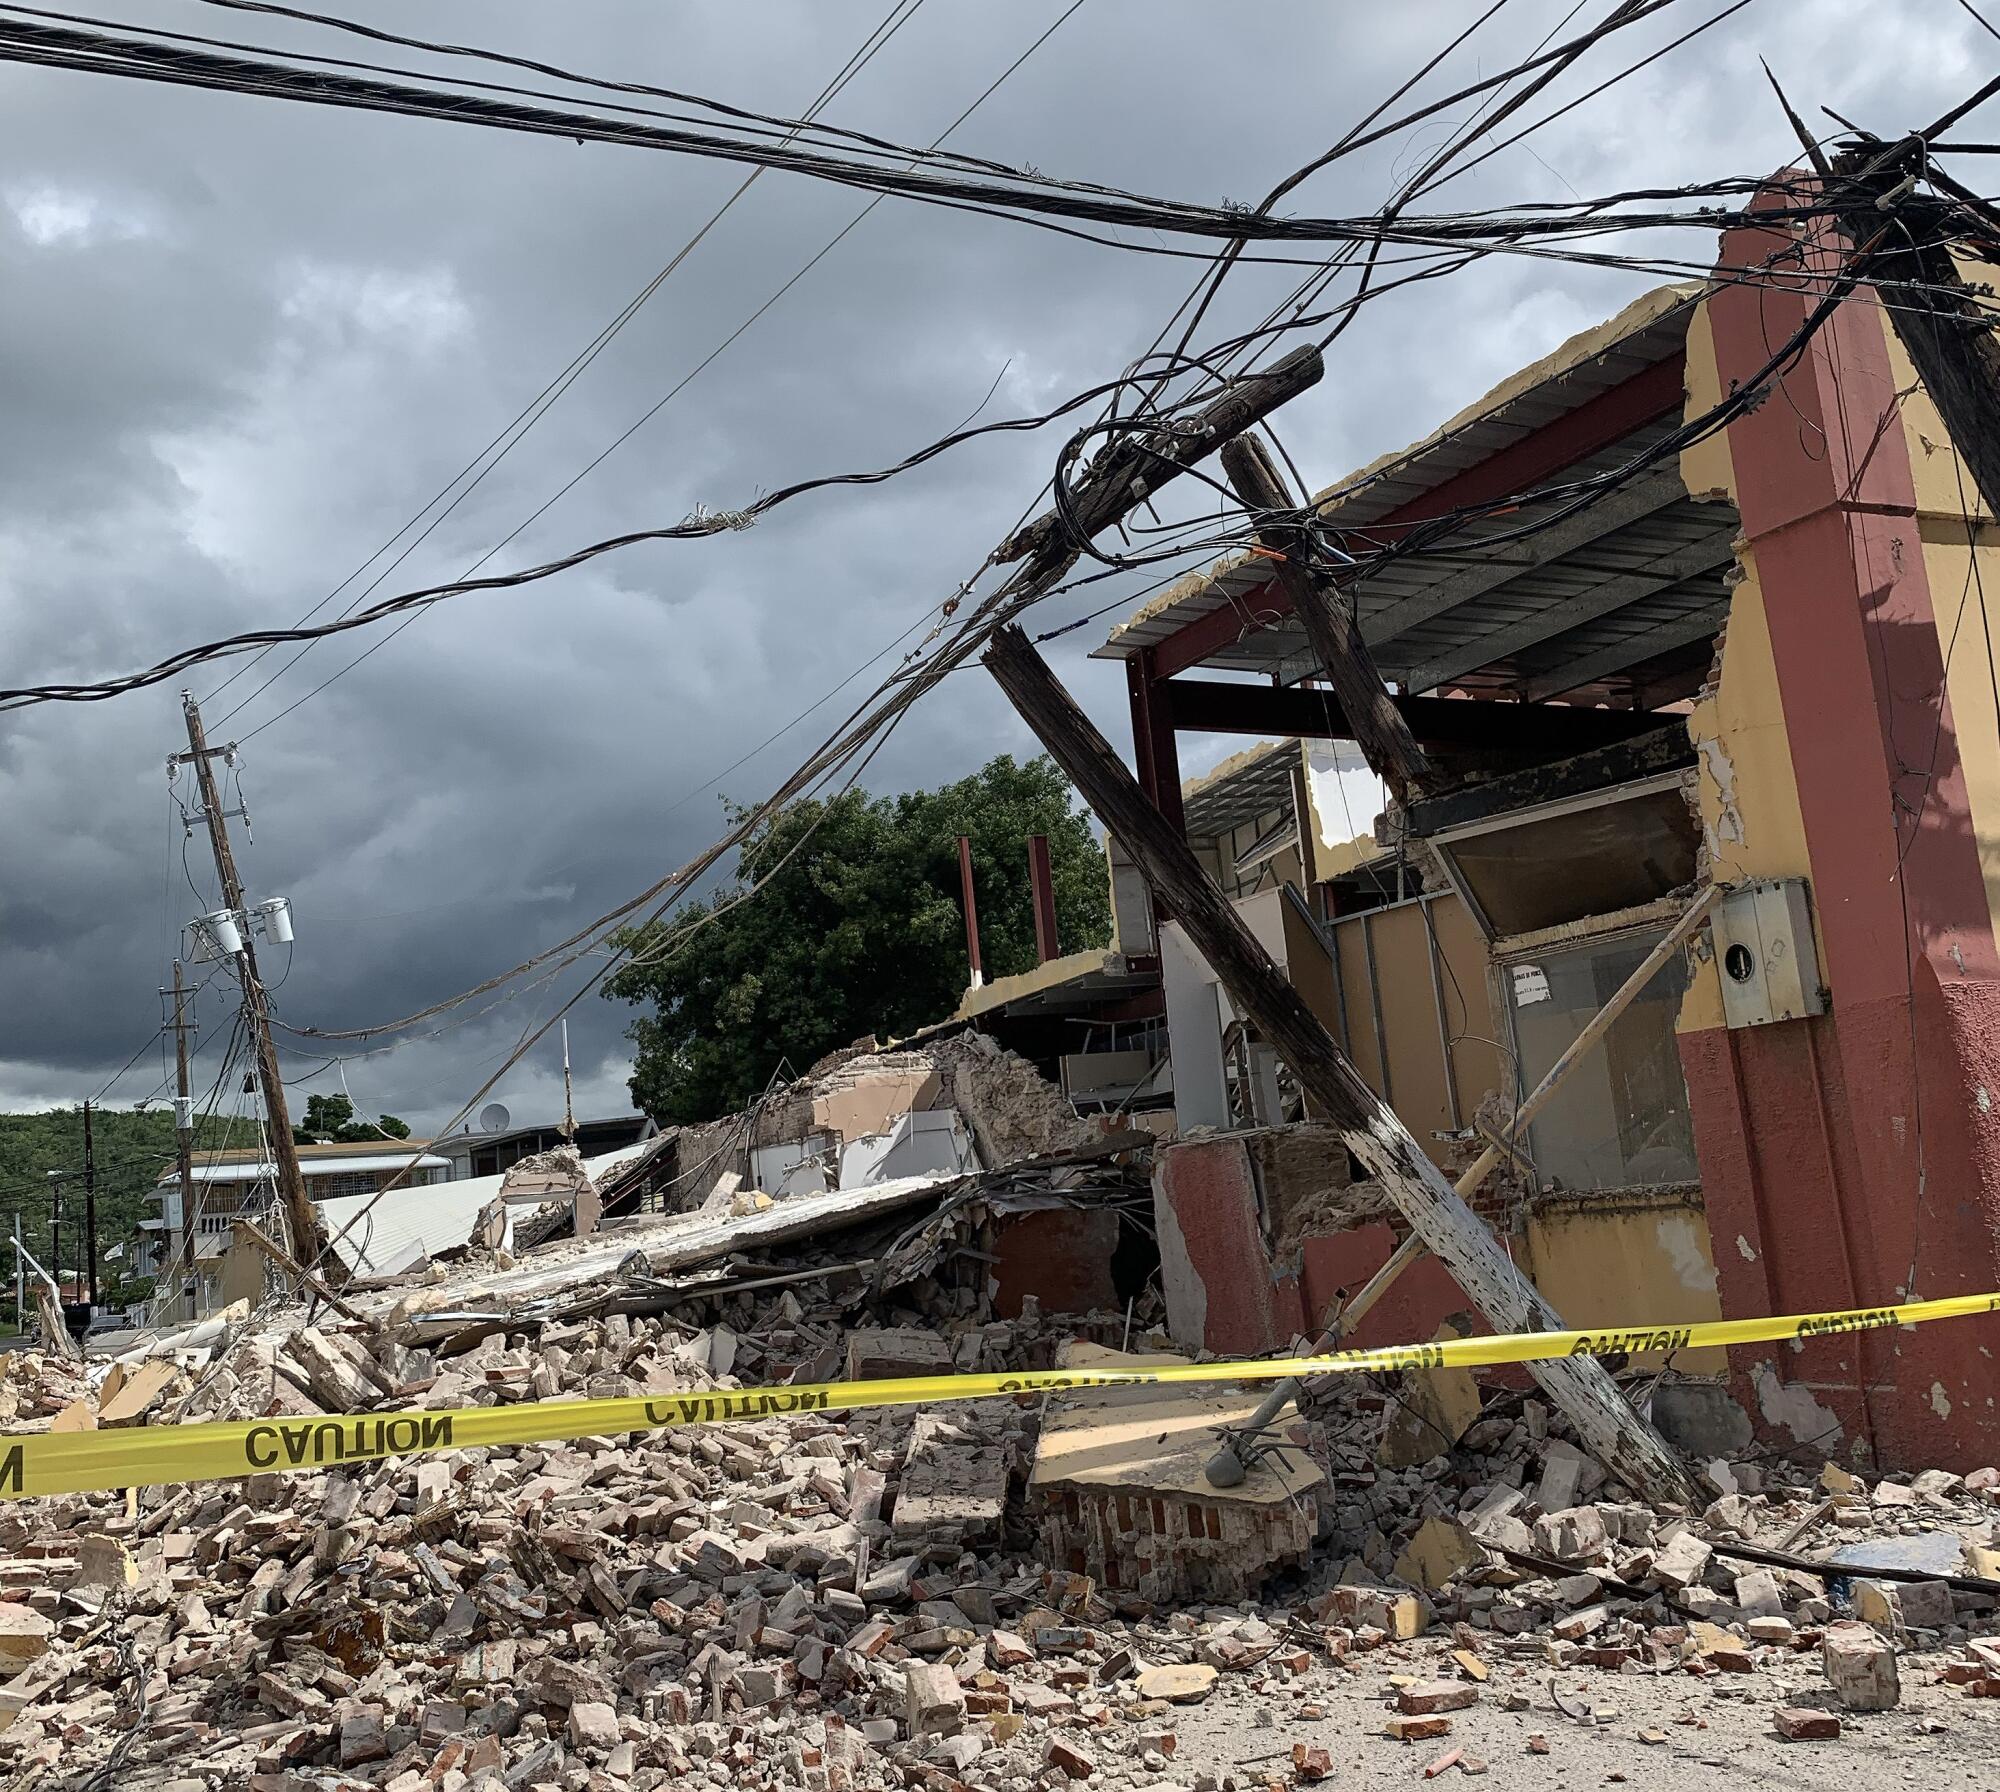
[[93, 52]]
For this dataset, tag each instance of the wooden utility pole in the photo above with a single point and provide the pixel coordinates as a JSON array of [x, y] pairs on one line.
[[1380, 729], [301, 1217], [1605, 1422], [55, 1230], [183, 1127], [1951, 334], [1141, 462], [89, 1211]]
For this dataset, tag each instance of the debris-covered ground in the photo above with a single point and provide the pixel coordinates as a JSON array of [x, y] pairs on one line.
[[860, 1599], [1416, 1577]]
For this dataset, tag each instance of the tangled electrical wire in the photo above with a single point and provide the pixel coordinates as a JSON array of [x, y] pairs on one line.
[[1148, 434], [1027, 196], [1157, 435]]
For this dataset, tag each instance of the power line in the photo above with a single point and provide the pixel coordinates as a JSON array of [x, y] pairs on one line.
[[1050, 548], [701, 523], [1032, 200], [755, 124], [510, 437], [682, 385]]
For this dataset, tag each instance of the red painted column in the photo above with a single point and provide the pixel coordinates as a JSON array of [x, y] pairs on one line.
[[1042, 882], [1155, 753], [1849, 1160]]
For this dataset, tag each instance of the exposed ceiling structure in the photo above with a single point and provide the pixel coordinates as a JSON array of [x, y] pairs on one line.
[[1613, 604], [1243, 787]]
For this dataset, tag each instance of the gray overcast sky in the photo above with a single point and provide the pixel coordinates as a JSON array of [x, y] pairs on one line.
[[241, 342]]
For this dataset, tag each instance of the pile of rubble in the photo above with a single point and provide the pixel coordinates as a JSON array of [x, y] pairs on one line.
[[1008, 1595], [883, 1597]]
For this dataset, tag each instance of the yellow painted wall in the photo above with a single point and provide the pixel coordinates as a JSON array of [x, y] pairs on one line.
[[1962, 564], [1944, 487], [1961, 545], [1417, 1065], [1619, 1261], [1750, 818]]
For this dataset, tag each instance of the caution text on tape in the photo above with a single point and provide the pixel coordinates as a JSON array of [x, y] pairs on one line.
[[165, 1455]]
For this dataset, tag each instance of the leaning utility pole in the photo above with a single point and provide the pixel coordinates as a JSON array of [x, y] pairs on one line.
[[301, 1218], [1605, 1422], [1380, 729]]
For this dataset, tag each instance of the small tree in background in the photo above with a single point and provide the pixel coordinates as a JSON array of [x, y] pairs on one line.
[[329, 1120], [858, 928]]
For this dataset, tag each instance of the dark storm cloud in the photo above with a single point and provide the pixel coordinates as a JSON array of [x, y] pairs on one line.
[[243, 341]]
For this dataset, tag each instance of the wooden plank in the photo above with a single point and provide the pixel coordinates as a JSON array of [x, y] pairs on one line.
[[254, 1234], [1605, 1423], [1585, 1042]]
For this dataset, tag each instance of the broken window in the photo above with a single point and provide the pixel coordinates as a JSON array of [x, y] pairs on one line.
[[1620, 1118], [1541, 867]]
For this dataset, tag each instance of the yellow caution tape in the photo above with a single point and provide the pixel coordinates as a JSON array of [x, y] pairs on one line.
[[167, 1455]]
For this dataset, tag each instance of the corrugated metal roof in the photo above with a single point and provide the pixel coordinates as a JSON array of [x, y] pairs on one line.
[[407, 1224], [260, 1169], [1627, 576]]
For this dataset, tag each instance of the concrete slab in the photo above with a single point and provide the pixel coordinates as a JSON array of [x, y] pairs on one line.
[[1119, 1489]]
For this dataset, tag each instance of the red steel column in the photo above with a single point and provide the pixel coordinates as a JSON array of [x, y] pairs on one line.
[[971, 909], [1041, 879], [1157, 757]]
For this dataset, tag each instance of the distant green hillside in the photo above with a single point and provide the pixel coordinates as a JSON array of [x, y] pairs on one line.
[[132, 1149]]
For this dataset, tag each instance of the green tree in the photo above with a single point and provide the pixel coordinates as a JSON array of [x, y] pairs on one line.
[[133, 1147], [329, 1120], [858, 929]]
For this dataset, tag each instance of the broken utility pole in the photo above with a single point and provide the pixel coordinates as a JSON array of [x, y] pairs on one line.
[[1140, 462], [301, 1217], [1605, 1423], [1380, 728]]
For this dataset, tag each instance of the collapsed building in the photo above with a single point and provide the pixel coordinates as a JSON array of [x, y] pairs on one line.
[[1733, 679], [990, 1595], [1684, 889]]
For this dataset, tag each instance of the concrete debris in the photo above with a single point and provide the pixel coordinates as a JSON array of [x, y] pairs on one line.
[[1120, 1491], [1861, 1665], [852, 1600], [1003, 1596]]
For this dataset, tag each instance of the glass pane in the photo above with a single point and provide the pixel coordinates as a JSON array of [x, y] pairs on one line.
[[1589, 862], [1620, 1119]]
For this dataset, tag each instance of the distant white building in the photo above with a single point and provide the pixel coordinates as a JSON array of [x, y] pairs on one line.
[[184, 1241]]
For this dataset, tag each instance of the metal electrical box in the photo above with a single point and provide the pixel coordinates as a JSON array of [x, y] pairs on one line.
[[1764, 952]]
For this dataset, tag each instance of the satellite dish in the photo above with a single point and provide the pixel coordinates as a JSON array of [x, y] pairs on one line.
[[494, 1117]]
